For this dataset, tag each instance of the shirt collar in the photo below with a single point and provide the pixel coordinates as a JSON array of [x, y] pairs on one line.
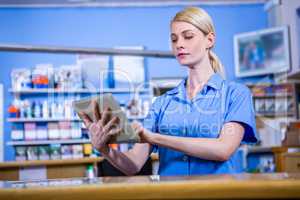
[[180, 88], [215, 81]]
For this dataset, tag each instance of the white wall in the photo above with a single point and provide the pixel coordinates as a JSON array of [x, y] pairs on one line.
[[284, 12], [1, 124]]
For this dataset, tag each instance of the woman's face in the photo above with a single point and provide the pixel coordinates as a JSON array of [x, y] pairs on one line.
[[189, 44]]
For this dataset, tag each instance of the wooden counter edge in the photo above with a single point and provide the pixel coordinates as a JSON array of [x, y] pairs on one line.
[[165, 190]]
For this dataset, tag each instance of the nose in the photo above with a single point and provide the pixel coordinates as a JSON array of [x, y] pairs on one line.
[[179, 43]]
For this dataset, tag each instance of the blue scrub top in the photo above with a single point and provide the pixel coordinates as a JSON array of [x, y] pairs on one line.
[[218, 102]]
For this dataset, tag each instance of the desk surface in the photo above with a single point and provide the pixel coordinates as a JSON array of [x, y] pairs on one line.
[[253, 186]]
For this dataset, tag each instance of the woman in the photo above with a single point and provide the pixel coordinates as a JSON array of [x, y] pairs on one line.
[[198, 126]]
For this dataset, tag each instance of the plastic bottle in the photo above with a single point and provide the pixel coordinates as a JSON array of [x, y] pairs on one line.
[[45, 109], [90, 172]]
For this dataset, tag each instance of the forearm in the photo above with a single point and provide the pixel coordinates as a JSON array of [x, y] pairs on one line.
[[121, 161], [129, 162], [205, 148], [218, 149]]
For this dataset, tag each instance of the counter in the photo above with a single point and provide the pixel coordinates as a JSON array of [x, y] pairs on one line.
[[250, 186]]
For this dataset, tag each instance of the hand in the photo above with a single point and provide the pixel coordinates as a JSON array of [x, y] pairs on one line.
[[102, 129], [144, 134]]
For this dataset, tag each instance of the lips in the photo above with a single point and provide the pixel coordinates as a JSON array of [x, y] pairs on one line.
[[182, 54]]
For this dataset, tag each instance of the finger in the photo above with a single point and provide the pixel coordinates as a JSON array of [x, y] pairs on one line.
[[106, 116], [114, 132], [96, 113], [86, 119], [112, 124]]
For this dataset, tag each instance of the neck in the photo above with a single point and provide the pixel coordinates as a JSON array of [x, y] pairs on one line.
[[198, 75]]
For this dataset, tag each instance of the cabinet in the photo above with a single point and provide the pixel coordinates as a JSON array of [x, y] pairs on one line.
[[291, 162], [35, 143]]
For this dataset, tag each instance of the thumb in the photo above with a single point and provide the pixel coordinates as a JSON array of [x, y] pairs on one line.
[[136, 125]]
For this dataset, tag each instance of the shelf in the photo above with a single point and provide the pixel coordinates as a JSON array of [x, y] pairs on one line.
[[41, 119], [274, 114], [31, 163], [259, 149], [79, 50], [294, 75], [79, 91], [60, 119], [274, 95], [45, 142]]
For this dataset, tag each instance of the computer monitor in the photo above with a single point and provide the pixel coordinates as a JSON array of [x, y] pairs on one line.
[[262, 52]]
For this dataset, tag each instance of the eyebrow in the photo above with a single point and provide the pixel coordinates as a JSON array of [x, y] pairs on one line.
[[183, 31]]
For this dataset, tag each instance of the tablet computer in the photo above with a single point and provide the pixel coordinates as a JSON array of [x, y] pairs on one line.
[[128, 135]]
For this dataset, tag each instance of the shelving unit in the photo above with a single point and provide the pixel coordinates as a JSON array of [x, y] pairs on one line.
[[267, 99], [25, 93]]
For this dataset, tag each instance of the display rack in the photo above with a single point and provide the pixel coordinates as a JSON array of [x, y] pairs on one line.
[[269, 98], [45, 91]]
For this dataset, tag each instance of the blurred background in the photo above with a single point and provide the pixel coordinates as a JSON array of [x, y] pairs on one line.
[[54, 52]]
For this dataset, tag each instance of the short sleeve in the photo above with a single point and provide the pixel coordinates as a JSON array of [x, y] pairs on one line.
[[241, 110], [150, 122]]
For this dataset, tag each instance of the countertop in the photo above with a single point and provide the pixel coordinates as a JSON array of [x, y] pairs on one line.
[[250, 186]]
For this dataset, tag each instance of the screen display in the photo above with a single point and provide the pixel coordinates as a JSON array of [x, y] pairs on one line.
[[262, 52]]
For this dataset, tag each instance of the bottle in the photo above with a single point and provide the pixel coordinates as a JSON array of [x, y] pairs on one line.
[[90, 172], [45, 109], [37, 109]]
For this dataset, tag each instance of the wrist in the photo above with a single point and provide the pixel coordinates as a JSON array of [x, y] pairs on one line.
[[104, 150], [153, 138]]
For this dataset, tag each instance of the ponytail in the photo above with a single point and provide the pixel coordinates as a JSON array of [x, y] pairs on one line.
[[216, 63]]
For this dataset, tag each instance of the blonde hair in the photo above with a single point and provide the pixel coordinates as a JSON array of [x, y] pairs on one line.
[[201, 20]]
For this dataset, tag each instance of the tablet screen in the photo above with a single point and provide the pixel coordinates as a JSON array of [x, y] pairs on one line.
[[128, 135]]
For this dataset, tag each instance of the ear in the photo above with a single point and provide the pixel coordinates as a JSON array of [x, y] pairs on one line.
[[210, 40]]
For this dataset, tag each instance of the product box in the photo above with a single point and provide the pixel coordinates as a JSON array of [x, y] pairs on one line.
[[66, 151], [269, 105], [20, 153], [260, 105], [65, 129], [76, 132], [77, 150], [17, 131], [30, 131], [53, 131], [42, 131], [281, 105], [87, 149], [21, 79], [55, 153], [43, 153], [32, 153]]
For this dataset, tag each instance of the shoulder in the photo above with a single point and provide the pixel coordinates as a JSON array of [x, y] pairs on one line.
[[238, 91], [158, 101], [235, 88]]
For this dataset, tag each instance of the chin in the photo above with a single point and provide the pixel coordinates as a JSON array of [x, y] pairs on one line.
[[186, 64], [183, 62]]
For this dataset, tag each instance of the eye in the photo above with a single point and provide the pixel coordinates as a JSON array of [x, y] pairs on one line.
[[173, 39], [188, 37]]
